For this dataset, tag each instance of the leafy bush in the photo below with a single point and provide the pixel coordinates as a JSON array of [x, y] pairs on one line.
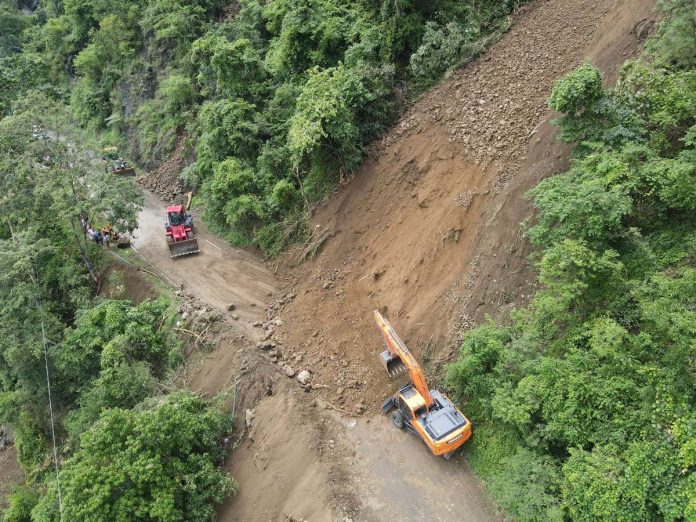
[[592, 385], [110, 334], [30, 441], [21, 502], [157, 462], [442, 47], [324, 118]]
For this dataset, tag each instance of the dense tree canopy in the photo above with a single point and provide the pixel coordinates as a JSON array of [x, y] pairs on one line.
[[586, 402], [103, 357], [290, 90], [153, 463]]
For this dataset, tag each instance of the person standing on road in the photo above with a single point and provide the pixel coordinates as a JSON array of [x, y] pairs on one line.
[[105, 238]]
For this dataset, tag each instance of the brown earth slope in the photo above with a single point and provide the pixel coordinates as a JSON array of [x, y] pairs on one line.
[[429, 228]]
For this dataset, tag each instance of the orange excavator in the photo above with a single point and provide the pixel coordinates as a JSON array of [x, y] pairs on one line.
[[428, 414]]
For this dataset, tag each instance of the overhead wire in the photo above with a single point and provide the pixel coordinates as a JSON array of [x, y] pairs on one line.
[[39, 306]]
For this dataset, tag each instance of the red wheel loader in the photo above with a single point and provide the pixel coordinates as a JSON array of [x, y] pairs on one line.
[[179, 231]]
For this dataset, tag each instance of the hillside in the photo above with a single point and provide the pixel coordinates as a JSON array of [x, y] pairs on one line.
[[430, 227], [512, 184]]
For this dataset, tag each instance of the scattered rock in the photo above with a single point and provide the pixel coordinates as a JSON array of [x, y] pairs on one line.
[[289, 371], [303, 377], [231, 307], [266, 345], [268, 384], [249, 418]]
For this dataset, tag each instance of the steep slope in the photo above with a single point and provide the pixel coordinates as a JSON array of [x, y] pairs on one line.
[[429, 228]]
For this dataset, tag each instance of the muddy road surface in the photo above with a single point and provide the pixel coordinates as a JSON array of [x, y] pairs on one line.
[[320, 466], [399, 479], [219, 275]]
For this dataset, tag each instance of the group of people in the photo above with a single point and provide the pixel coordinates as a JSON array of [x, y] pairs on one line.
[[101, 237]]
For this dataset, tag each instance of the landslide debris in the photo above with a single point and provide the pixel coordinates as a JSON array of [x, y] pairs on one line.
[[164, 181], [429, 228]]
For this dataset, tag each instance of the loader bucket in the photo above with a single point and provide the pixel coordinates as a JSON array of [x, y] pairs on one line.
[[392, 364], [184, 248]]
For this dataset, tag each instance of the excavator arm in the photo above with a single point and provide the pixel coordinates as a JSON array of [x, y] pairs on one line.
[[397, 358]]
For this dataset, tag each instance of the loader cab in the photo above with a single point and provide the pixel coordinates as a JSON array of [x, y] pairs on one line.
[[176, 216]]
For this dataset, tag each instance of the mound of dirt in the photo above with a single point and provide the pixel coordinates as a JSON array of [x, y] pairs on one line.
[[429, 229], [164, 180], [285, 466]]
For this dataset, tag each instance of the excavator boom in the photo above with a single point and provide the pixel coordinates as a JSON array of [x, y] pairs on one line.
[[397, 358]]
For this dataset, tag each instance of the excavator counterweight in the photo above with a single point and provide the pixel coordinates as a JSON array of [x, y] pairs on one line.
[[428, 414]]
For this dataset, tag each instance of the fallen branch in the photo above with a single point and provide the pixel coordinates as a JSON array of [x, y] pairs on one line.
[[197, 336]]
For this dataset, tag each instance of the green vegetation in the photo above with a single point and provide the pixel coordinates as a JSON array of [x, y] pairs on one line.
[[156, 462], [277, 98], [126, 452], [585, 402]]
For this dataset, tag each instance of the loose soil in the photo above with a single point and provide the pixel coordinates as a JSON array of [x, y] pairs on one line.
[[429, 232], [429, 229], [164, 180], [123, 282]]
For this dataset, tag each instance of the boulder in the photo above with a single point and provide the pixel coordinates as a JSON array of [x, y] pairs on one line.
[[304, 377]]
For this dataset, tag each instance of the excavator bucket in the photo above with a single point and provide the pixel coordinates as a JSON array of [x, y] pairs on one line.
[[184, 248], [392, 363]]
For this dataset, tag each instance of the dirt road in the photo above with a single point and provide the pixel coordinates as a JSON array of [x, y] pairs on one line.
[[398, 478], [319, 466], [220, 274]]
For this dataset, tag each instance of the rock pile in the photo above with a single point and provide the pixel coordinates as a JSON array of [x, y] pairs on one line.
[[491, 106], [164, 181]]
